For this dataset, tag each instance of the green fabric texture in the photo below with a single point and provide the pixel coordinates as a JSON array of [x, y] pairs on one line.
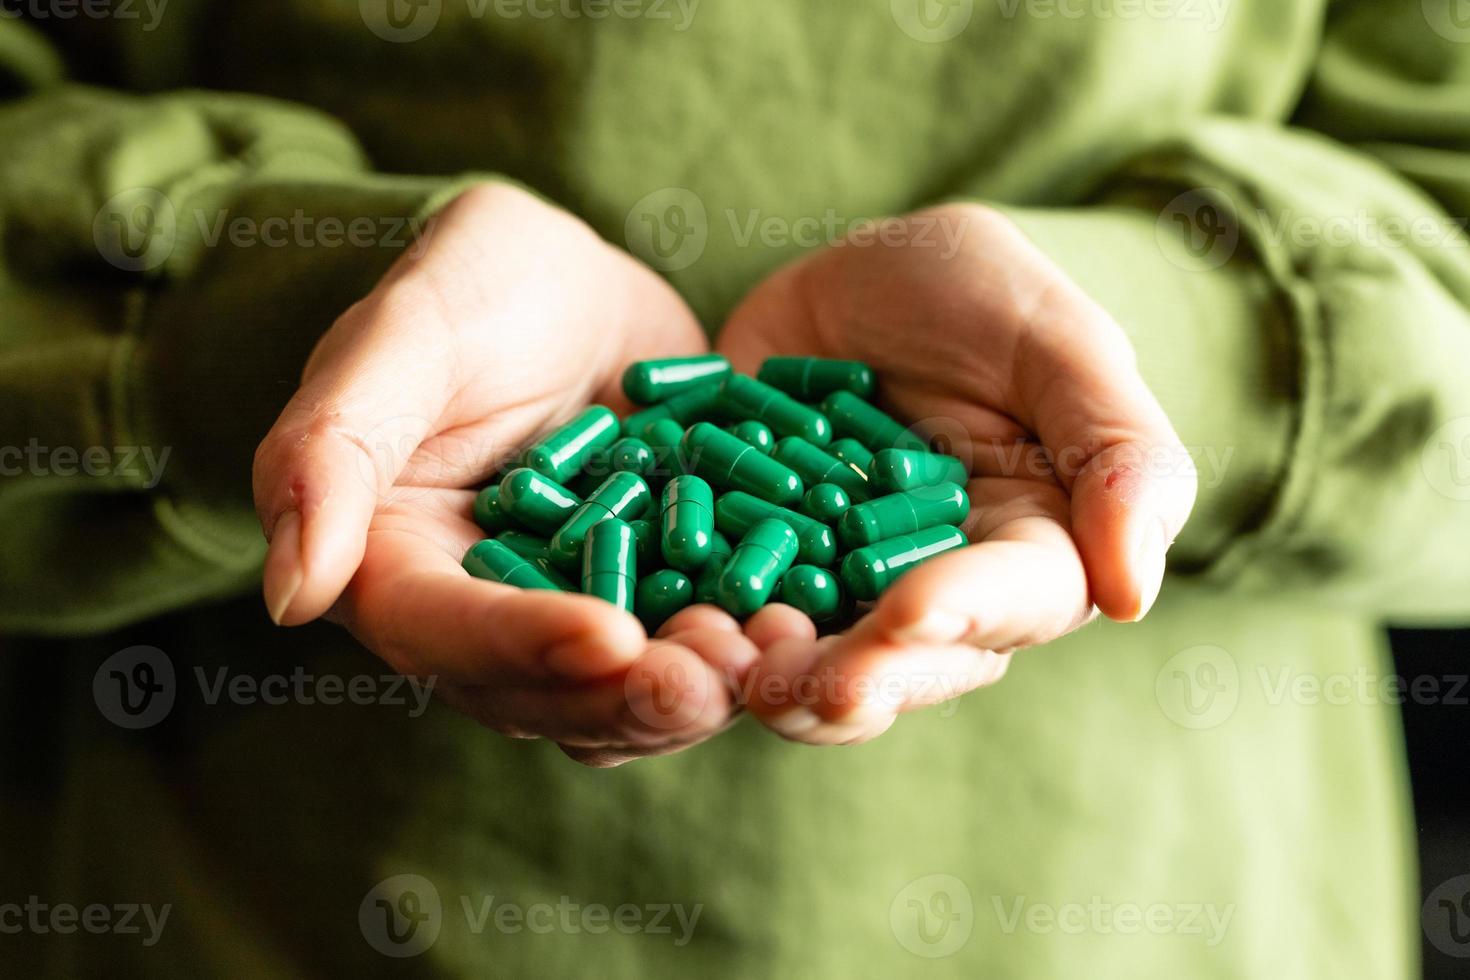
[[1195, 172]]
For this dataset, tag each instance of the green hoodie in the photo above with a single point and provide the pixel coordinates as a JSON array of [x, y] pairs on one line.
[[1268, 194]]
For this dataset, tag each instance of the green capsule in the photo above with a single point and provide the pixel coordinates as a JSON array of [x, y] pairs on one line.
[[854, 454], [746, 398], [663, 437], [651, 382], [624, 496], [758, 434], [537, 551], [815, 465], [541, 504], [487, 511], [687, 522], [903, 513], [736, 513], [759, 561], [813, 378], [494, 562], [897, 470], [630, 456], [826, 502], [812, 590], [726, 461], [649, 557], [708, 580], [700, 404], [610, 562], [868, 571], [854, 418], [660, 595], [560, 455]]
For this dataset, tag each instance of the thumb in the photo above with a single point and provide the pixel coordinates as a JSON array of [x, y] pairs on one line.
[[1132, 482], [368, 399]]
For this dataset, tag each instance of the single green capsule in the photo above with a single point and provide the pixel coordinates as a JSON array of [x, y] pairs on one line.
[[700, 404], [624, 496], [746, 398], [487, 511], [759, 561], [541, 504], [814, 466], [687, 522], [630, 456], [903, 513], [560, 455], [813, 378], [610, 563], [854, 454], [707, 583], [758, 434], [650, 382], [660, 595], [736, 513], [663, 437], [826, 502], [494, 562], [812, 590], [726, 461], [854, 418], [897, 470], [868, 571], [528, 546], [649, 557]]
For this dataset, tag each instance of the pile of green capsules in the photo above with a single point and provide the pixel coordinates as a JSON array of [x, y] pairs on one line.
[[727, 489]]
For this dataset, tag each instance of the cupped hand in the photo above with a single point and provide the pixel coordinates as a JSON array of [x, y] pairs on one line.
[[1079, 483], [507, 317]]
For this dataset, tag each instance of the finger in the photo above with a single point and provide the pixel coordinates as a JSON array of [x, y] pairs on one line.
[[338, 447], [778, 622], [612, 757], [413, 605], [728, 652], [701, 617], [1133, 483]]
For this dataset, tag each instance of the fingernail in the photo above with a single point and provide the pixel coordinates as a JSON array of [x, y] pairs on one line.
[[1149, 559], [282, 577], [936, 628], [794, 723]]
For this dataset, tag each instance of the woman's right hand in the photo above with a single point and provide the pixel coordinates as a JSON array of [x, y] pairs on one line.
[[507, 317]]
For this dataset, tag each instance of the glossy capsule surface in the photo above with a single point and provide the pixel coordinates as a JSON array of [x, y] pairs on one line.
[[494, 562], [649, 556], [537, 502], [812, 590], [610, 563], [759, 561], [630, 456], [487, 511], [868, 571], [814, 465], [826, 502], [854, 418], [650, 382], [660, 595], [687, 522], [896, 470], [735, 464], [903, 513], [746, 398], [708, 578], [854, 454], [623, 496], [561, 455], [736, 513], [663, 437], [697, 405], [758, 434], [813, 378]]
